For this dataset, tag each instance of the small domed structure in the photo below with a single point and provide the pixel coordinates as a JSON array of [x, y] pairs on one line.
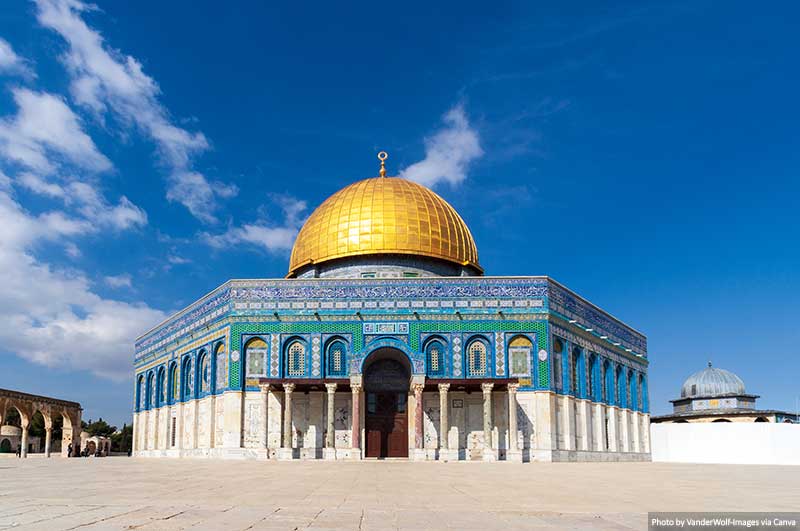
[[717, 395], [712, 382]]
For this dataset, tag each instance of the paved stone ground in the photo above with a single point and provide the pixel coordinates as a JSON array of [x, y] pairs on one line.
[[124, 493]]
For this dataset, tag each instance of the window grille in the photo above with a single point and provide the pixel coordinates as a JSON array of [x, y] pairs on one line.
[[477, 358], [297, 359]]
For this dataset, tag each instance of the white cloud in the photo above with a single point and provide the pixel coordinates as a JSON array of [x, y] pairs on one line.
[[5, 181], [51, 316], [96, 212], [11, 62], [104, 79], [177, 260], [270, 237], [119, 281], [45, 123], [448, 153], [41, 186]]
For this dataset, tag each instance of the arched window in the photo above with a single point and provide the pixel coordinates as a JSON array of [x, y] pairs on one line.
[[296, 358], [640, 394], [590, 377], [187, 377], [574, 371], [256, 355], [617, 386], [558, 352], [337, 358], [151, 391], [173, 383], [205, 373], [139, 392], [222, 367], [519, 357], [160, 387], [434, 355], [603, 381], [630, 393], [477, 358]]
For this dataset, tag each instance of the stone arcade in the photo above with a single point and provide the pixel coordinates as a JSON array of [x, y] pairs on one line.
[[386, 340], [50, 408]]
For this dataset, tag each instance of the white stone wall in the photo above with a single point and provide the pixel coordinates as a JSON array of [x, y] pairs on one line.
[[250, 425], [762, 443]]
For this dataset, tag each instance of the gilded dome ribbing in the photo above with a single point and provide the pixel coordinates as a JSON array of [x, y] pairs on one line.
[[384, 216]]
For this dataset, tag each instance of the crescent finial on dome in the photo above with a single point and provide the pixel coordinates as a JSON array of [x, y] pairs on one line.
[[382, 156]]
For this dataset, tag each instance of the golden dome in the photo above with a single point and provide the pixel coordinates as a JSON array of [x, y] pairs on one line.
[[384, 215]]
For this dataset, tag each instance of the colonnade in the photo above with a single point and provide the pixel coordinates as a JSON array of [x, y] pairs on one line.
[[286, 450], [262, 425], [28, 405]]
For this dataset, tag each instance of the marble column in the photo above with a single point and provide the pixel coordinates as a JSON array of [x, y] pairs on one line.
[[355, 437], [583, 424], [179, 426], [212, 422], [330, 430], [488, 450], [286, 452], [155, 429], [611, 428], [444, 425], [419, 441], [635, 445], [48, 441], [599, 428], [624, 430], [24, 440], [514, 453], [568, 424], [264, 395]]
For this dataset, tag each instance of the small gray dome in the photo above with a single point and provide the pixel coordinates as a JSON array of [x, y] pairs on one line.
[[712, 381]]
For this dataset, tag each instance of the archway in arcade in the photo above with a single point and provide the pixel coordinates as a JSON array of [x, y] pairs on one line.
[[387, 376], [36, 433]]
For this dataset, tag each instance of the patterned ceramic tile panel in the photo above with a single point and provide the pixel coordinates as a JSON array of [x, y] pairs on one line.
[[499, 349]]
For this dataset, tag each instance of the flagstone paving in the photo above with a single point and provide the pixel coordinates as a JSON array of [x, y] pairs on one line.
[[165, 494]]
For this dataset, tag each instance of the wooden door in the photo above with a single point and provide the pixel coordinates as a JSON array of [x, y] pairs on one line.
[[386, 424]]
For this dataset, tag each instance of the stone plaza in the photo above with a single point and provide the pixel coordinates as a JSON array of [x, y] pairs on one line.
[[202, 494]]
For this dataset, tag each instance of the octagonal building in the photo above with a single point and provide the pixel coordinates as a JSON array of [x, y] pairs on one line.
[[385, 339]]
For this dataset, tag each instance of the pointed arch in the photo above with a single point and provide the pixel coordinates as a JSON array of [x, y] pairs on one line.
[[336, 358], [187, 378], [172, 383], [478, 353], [435, 348], [220, 367], [255, 352], [160, 386], [295, 357], [140, 392], [556, 364]]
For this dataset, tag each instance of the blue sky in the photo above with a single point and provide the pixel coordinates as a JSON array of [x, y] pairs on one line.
[[644, 154]]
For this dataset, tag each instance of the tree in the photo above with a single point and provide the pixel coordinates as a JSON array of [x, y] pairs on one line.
[[100, 428], [121, 441]]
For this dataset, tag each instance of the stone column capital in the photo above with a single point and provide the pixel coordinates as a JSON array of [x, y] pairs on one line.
[[288, 387], [265, 388], [331, 388], [513, 387], [443, 388], [487, 387], [417, 388], [355, 388]]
